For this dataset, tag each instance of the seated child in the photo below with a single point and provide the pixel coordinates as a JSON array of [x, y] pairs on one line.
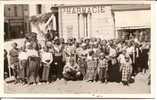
[[71, 70]]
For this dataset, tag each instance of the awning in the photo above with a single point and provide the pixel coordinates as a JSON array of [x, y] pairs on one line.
[[132, 27], [133, 19]]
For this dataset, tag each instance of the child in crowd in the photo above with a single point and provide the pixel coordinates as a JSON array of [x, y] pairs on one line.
[[83, 64], [22, 65], [102, 68], [126, 69], [71, 70], [46, 59], [14, 61], [91, 67]]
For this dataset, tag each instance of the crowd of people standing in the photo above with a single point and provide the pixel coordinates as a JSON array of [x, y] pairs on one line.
[[87, 59]]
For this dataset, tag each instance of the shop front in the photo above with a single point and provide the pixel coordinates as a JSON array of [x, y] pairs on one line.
[[86, 21], [133, 24]]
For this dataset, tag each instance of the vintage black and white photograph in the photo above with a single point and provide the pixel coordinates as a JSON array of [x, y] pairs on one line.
[[77, 48]]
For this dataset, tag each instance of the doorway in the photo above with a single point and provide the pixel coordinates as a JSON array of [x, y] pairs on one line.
[[84, 25]]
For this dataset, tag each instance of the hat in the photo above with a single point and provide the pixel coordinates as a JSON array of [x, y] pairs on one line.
[[14, 44], [101, 54], [55, 38], [127, 56], [83, 44], [48, 44]]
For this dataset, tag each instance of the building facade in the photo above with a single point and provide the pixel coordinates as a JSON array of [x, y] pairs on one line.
[[100, 20], [105, 21], [16, 20]]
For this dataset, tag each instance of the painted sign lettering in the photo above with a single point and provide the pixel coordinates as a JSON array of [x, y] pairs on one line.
[[78, 10]]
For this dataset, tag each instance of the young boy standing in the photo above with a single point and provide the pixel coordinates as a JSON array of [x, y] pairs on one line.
[[22, 65], [102, 68], [14, 61], [46, 58]]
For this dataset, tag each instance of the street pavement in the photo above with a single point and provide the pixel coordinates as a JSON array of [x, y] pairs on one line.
[[82, 87]]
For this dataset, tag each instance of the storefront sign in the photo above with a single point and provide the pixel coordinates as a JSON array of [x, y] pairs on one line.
[[90, 9]]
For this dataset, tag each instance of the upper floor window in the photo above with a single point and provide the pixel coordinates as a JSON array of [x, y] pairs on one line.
[[39, 9]]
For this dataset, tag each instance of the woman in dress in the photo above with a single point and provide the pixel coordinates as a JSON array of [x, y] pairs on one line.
[[113, 70]]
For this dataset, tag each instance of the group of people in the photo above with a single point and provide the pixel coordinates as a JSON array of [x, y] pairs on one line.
[[87, 59]]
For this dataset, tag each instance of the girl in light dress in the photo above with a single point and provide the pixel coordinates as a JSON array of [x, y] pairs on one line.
[[91, 67], [125, 67]]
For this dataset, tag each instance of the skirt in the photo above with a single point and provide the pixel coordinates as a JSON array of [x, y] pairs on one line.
[[114, 73], [45, 73]]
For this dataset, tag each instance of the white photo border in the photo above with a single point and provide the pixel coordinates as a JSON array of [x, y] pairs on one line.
[[153, 54]]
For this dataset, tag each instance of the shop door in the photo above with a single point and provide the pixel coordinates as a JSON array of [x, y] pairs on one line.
[[84, 25]]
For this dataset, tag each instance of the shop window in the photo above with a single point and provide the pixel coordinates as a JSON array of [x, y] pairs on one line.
[[140, 34]]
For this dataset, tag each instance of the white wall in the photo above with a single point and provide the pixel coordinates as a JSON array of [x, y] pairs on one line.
[[102, 25]]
